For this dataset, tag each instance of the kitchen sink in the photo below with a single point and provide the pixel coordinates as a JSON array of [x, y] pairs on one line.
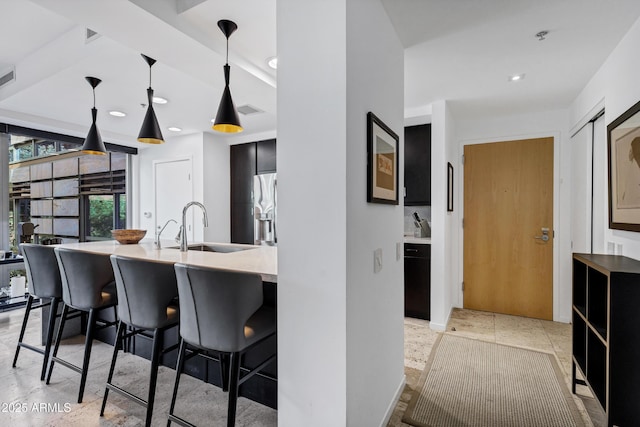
[[207, 247]]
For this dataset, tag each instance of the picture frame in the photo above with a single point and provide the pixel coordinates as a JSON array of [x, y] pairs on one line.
[[382, 162], [623, 146], [449, 187]]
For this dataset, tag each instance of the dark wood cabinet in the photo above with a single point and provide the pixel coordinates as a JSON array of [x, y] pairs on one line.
[[247, 160], [417, 281], [417, 165], [266, 156], [606, 348], [242, 223], [243, 168]]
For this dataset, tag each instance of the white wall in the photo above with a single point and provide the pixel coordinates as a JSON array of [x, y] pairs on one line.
[[375, 303], [216, 188], [312, 210], [210, 180], [616, 82], [340, 358], [543, 124], [444, 245]]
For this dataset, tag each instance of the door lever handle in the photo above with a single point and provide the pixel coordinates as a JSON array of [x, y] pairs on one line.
[[545, 235]]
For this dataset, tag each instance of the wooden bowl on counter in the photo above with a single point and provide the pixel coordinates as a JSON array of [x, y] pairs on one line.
[[127, 236]]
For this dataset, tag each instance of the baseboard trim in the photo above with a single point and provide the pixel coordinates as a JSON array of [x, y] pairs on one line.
[[441, 327], [394, 402]]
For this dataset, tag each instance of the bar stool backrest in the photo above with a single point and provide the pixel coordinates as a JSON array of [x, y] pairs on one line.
[[215, 306], [84, 276], [43, 274], [145, 289]]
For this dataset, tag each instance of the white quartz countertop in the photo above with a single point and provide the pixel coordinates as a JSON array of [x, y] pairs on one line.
[[261, 260], [417, 240]]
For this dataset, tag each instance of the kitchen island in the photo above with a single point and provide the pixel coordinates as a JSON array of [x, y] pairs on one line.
[[261, 260]]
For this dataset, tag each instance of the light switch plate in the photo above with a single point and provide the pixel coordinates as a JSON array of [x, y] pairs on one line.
[[398, 251], [377, 260]]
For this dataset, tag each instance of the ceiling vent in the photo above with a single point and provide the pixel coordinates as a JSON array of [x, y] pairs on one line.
[[8, 77], [90, 35], [248, 110]]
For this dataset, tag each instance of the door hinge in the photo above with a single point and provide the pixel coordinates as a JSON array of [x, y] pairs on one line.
[[462, 286], [462, 222], [463, 159]]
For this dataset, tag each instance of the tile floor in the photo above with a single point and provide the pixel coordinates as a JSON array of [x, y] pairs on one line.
[[540, 335], [22, 384]]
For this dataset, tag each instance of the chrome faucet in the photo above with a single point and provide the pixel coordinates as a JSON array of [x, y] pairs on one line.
[[183, 228], [158, 233]]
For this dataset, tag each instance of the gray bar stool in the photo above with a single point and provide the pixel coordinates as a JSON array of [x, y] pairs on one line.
[[221, 311], [147, 293], [43, 281], [87, 285]]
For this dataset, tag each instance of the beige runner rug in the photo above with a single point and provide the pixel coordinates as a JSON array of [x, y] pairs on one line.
[[474, 383]]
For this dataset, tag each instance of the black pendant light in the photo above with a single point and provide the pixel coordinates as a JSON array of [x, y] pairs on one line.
[[150, 132], [93, 142], [227, 119]]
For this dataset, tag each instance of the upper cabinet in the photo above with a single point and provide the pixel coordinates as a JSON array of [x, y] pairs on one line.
[[417, 165], [266, 156]]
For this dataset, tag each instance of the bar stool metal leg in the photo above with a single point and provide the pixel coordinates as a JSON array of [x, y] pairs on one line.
[[24, 327], [156, 353], [234, 379], [179, 368], [116, 346], [53, 312], [63, 318], [87, 352]]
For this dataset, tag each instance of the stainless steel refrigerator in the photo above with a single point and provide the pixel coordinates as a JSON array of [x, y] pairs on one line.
[[264, 209]]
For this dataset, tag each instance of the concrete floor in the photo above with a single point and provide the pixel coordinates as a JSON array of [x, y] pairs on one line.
[[26, 401], [21, 388]]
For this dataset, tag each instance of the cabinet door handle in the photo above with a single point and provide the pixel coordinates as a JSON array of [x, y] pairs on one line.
[[411, 250]]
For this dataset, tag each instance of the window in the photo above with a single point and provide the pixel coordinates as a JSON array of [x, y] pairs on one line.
[[19, 211], [104, 213], [25, 148]]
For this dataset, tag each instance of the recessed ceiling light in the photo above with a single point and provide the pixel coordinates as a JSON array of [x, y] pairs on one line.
[[174, 129], [273, 62], [116, 113], [516, 77], [159, 100]]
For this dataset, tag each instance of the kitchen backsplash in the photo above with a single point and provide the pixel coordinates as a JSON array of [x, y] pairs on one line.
[[423, 212]]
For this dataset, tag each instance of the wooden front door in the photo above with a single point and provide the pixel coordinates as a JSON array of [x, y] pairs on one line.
[[508, 201]]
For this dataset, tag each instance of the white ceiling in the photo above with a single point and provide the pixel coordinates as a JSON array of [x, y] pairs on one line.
[[461, 50]]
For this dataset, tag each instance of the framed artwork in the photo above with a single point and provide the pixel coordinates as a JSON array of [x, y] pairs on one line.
[[382, 162], [449, 187], [623, 140]]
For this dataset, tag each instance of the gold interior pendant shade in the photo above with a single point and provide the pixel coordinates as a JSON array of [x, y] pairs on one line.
[[227, 119], [93, 142], [150, 132]]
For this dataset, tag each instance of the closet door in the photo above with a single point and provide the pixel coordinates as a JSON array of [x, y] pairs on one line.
[[600, 187], [581, 174]]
